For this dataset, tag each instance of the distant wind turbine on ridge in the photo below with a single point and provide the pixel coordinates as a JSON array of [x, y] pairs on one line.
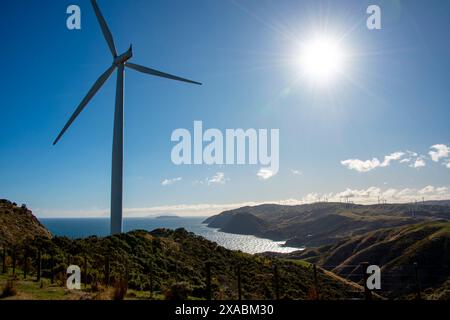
[[119, 62]]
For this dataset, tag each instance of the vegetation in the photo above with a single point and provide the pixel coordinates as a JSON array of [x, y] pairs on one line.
[[120, 289], [179, 291], [9, 289], [173, 264], [396, 250], [14, 220], [159, 264]]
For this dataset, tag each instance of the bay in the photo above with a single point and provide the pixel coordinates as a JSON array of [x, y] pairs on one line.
[[84, 227]]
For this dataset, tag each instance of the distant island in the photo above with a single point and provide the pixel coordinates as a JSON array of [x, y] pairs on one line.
[[168, 217]]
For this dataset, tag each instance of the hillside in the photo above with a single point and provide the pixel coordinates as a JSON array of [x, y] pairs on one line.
[[161, 263], [395, 250], [18, 224], [437, 202], [322, 223], [170, 257]]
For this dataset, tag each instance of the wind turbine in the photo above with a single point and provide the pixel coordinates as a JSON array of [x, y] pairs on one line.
[[119, 62]]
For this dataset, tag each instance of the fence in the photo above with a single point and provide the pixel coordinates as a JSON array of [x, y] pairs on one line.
[[409, 279]]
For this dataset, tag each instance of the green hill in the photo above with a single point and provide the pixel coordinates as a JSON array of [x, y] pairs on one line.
[[395, 250], [169, 257], [18, 224], [322, 223], [167, 263]]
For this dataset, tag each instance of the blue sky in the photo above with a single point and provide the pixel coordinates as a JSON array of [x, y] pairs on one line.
[[392, 99]]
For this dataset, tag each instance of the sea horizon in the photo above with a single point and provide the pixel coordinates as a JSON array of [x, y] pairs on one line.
[[86, 227]]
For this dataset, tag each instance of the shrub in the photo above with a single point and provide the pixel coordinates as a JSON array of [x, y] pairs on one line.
[[96, 286], [9, 289], [120, 290], [178, 291]]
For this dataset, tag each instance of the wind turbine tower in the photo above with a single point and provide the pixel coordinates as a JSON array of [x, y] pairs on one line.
[[119, 62]]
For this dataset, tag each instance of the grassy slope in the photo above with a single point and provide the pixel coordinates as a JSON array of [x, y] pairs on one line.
[[29, 289], [18, 224], [179, 256], [396, 250]]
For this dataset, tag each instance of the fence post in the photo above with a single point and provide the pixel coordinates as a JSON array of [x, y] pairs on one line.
[[416, 272], [276, 280], [126, 274], [25, 264], [238, 270], [151, 280], [39, 265], [107, 267], [316, 282], [85, 267], [208, 281], [4, 260], [52, 268], [14, 261], [367, 292]]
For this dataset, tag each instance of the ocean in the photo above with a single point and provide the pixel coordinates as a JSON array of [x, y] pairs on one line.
[[84, 227]]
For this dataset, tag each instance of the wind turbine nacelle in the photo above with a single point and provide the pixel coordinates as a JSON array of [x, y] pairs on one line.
[[124, 57]]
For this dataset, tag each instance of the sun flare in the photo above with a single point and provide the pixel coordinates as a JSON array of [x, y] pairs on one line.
[[321, 59]]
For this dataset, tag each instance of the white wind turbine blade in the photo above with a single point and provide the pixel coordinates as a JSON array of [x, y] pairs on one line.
[[97, 85], [157, 73], [106, 32]]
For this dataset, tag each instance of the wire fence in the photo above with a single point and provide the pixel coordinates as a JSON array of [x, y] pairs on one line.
[[405, 280]]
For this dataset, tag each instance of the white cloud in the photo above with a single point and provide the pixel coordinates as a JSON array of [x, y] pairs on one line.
[[296, 172], [168, 182], [391, 195], [360, 165], [431, 190], [363, 196], [349, 193], [412, 158], [392, 157], [368, 165], [264, 174], [419, 163], [218, 178], [439, 151], [448, 165]]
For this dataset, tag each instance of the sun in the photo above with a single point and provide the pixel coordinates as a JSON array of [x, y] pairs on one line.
[[321, 59]]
